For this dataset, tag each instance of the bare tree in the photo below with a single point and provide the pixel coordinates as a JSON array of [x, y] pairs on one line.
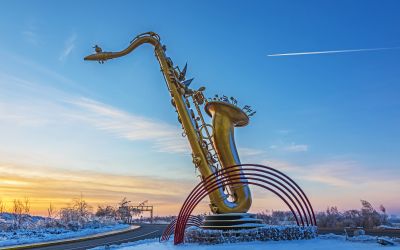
[[27, 205], [135, 211], [370, 216], [17, 210], [382, 208], [107, 212], [366, 217], [17, 206], [384, 216], [2, 206], [77, 214], [123, 211], [81, 206], [50, 211]]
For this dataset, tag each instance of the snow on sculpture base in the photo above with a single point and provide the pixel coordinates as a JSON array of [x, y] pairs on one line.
[[266, 233], [231, 221]]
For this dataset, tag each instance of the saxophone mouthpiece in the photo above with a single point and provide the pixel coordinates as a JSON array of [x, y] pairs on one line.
[[99, 56], [92, 57]]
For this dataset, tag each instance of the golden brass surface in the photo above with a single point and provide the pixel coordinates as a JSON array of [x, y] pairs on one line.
[[210, 150], [225, 117]]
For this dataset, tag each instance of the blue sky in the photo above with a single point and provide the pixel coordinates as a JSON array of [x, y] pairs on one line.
[[331, 121]]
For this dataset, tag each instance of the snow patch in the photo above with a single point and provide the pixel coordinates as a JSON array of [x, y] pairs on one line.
[[35, 229], [319, 243]]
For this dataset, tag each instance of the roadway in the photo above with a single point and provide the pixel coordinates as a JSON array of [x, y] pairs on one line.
[[146, 231]]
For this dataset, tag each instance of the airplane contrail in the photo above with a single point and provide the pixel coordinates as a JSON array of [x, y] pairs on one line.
[[331, 51]]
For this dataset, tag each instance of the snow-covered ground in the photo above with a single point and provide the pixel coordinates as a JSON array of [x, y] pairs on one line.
[[20, 237], [387, 227], [27, 229], [330, 242]]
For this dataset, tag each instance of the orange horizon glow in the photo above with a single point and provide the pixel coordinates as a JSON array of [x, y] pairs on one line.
[[59, 187]]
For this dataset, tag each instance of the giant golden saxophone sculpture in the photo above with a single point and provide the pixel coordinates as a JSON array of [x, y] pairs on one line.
[[213, 146]]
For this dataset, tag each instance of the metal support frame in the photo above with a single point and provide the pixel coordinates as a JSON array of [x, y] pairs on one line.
[[144, 208]]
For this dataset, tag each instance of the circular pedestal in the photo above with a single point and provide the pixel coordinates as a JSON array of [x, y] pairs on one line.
[[231, 221], [264, 233]]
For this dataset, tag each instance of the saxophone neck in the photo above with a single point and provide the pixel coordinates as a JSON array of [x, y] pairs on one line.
[[102, 56]]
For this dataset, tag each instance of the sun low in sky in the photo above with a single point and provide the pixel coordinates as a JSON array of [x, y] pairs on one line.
[[329, 117]]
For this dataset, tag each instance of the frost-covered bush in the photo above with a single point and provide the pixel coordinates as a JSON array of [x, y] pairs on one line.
[[106, 212], [46, 229], [366, 217], [277, 217], [76, 216], [25, 221], [266, 233]]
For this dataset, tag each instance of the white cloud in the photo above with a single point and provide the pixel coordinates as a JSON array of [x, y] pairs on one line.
[[68, 47], [165, 137], [296, 147], [30, 34], [292, 147], [333, 173], [28, 104], [247, 152], [284, 131]]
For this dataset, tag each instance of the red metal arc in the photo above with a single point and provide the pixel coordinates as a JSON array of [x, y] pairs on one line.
[[253, 174], [192, 221]]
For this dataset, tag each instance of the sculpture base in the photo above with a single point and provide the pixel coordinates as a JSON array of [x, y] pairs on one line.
[[264, 233], [231, 221]]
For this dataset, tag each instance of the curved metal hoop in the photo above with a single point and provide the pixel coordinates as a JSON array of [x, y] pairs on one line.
[[192, 221], [255, 174]]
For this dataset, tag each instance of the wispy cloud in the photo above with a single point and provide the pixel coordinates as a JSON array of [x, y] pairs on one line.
[[26, 103], [68, 47], [30, 34], [338, 182], [331, 173], [336, 173], [247, 152], [44, 185], [51, 77], [296, 147], [166, 137], [284, 131], [332, 51], [292, 147]]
